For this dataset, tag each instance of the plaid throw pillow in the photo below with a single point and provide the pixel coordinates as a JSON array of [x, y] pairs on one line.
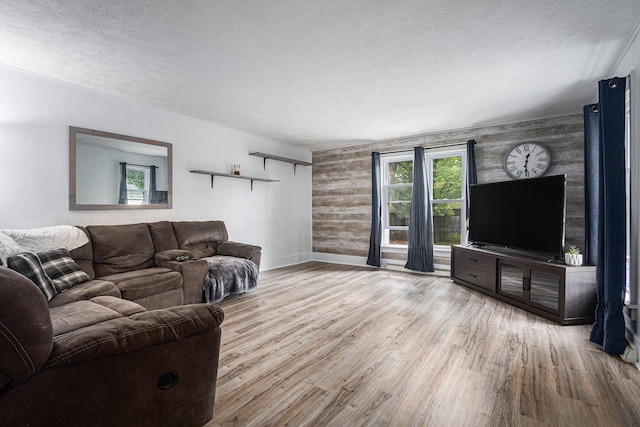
[[61, 269], [28, 264], [52, 271]]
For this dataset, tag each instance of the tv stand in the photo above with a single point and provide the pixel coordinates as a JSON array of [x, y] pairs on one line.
[[564, 294]]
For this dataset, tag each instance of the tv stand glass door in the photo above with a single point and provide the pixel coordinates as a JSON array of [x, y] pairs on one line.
[[532, 285], [544, 289], [511, 280]]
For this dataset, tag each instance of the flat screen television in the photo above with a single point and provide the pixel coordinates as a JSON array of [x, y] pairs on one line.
[[527, 214]]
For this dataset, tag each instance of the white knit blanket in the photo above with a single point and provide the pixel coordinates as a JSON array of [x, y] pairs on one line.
[[14, 241]]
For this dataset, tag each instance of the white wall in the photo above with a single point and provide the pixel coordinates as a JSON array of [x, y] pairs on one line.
[[35, 114], [629, 64]]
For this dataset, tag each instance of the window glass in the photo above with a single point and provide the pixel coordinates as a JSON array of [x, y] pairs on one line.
[[447, 198], [401, 172], [447, 178]]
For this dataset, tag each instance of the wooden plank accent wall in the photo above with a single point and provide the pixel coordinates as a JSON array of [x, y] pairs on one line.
[[341, 196]]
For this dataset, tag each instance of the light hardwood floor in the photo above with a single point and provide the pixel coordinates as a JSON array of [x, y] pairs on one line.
[[323, 344]]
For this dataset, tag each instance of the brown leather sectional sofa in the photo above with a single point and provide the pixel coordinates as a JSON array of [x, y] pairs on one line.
[[132, 346]]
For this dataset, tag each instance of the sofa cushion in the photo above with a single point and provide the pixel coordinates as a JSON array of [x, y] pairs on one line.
[[122, 306], [28, 264], [128, 333], [138, 284], [26, 333], [83, 256], [81, 314], [85, 291], [62, 269], [200, 237], [121, 248], [163, 236]]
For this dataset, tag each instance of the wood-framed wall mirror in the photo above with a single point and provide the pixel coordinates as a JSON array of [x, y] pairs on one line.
[[111, 171]]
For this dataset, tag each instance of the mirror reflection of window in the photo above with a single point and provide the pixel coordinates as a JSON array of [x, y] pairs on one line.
[[137, 185]]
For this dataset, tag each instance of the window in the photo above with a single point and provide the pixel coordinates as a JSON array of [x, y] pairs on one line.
[[446, 176], [397, 184], [137, 185]]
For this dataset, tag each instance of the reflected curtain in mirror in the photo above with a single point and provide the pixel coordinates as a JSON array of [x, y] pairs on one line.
[[123, 184]]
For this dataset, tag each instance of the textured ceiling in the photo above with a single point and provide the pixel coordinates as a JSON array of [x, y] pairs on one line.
[[332, 72]]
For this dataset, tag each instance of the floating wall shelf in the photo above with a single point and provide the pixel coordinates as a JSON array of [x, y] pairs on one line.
[[228, 175], [295, 162]]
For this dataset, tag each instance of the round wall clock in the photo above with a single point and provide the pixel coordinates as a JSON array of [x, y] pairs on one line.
[[527, 160]]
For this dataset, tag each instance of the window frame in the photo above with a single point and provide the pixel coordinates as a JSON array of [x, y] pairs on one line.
[[385, 161], [440, 153], [430, 155]]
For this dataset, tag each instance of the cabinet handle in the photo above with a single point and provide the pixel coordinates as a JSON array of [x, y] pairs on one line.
[[473, 259], [473, 275]]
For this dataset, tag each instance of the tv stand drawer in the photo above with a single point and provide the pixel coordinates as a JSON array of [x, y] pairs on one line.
[[470, 274], [474, 260]]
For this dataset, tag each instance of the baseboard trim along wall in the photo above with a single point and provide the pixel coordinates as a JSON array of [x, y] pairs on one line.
[[270, 264], [362, 262]]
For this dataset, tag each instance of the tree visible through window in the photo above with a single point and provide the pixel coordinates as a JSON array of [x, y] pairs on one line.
[[447, 199]]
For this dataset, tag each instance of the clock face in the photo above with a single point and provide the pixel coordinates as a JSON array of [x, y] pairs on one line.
[[527, 160]]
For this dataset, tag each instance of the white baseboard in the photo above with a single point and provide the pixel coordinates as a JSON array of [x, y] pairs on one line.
[[340, 259], [270, 264], [362, 262]]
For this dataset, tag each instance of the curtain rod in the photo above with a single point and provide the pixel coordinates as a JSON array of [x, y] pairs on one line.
[[429, 147], [142, 166]]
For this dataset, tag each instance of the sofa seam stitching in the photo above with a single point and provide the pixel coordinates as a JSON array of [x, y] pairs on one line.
[[24, 355], [166, 325]]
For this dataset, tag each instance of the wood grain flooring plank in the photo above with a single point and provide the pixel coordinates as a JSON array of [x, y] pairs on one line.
[[334, 345]]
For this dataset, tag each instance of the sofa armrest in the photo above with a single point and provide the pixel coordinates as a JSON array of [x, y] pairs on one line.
[[173, 255], [171, 383], [193, 274], [125, 334], [240, 250]]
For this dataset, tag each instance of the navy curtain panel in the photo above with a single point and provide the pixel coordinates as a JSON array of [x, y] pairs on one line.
[[420, 255], [375, 239], [609, 329], [122, 198], [592, 183], [472, 173]]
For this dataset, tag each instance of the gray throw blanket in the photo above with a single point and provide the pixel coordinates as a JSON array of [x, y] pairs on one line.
[[228, 276]]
